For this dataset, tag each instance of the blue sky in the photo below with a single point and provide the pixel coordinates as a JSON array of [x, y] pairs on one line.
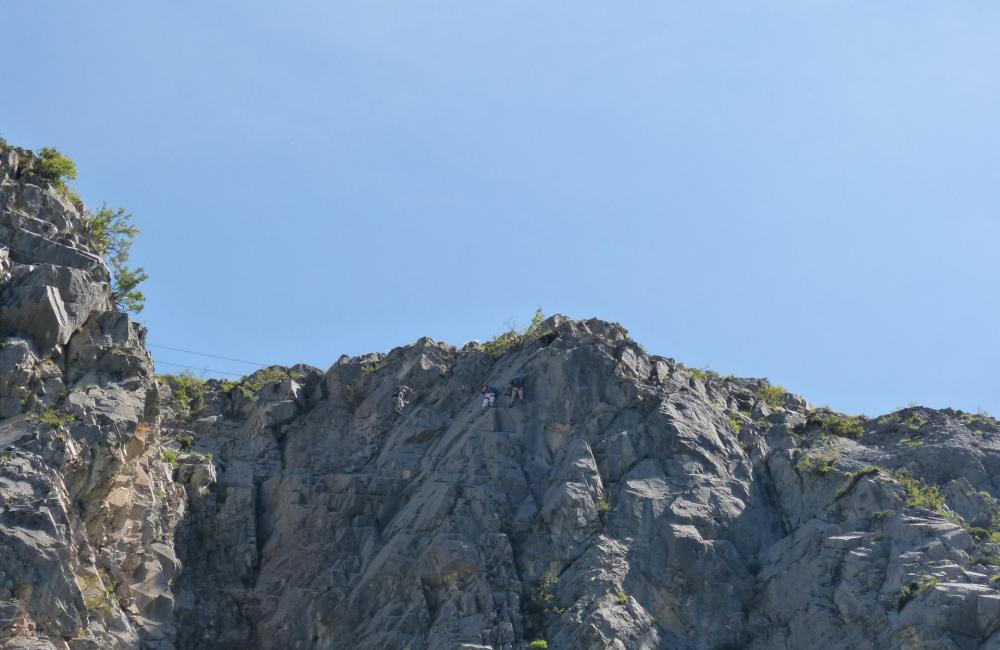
[[801, 190]]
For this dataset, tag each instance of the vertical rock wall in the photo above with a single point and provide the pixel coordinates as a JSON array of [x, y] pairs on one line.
[[87, 506]]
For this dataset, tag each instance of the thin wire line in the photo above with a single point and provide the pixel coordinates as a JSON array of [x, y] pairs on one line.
[[181, 365], [205, 354]]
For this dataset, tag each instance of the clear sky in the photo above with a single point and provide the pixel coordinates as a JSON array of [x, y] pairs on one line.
[[804, 190]]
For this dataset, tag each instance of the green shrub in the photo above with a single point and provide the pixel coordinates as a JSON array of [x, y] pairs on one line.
[[54, 166], [186, 441], [915, 588], [73, 197], [251, 385], [736, 424], [821, 464], [603, 505], [546, 596], [911, 443], [513, 340], [771, 395], [123, 287], [52, 418], [914, 422], [171, 457], [845, 426], [539, 644], [981, 422], [882, 515], [855, 476], [503, 344], [978, 533], [621, 598], [111, 234], [188, 390], [103, 592], [701, 374], [108, 231], [919, 494], [989, 560]]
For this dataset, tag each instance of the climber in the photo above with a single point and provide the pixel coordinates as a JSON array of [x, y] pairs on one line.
[[403, 394], [489, 393], [516, 389]]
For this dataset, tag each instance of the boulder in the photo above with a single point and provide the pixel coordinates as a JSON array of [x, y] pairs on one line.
[[37, 312], [48, 303]]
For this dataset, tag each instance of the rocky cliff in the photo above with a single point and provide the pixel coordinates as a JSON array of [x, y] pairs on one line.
[[629, 502]]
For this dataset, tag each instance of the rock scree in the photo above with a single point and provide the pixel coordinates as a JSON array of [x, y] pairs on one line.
[[628, 502]]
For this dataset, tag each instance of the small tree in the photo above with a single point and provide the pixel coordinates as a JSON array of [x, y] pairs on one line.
[[535, 329], [123, 287], [111, 233]]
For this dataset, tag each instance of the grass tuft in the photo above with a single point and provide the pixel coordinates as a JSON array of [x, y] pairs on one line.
[[513, 340], [772, 395]]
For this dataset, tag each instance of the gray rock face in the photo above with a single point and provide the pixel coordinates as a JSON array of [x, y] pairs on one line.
[[87, 505], [628, 502]]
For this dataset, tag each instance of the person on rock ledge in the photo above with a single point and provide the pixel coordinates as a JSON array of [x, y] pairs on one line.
[[516, 389], [489, 393]]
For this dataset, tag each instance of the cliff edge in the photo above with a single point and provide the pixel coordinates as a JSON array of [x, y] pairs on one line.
[[627, 502]]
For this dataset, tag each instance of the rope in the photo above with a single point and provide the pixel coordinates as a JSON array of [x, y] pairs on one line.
[[181, 365], [205, 354]]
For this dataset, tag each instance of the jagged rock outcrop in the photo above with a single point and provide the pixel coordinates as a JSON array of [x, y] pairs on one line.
[[87, 506], [629, 502]]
